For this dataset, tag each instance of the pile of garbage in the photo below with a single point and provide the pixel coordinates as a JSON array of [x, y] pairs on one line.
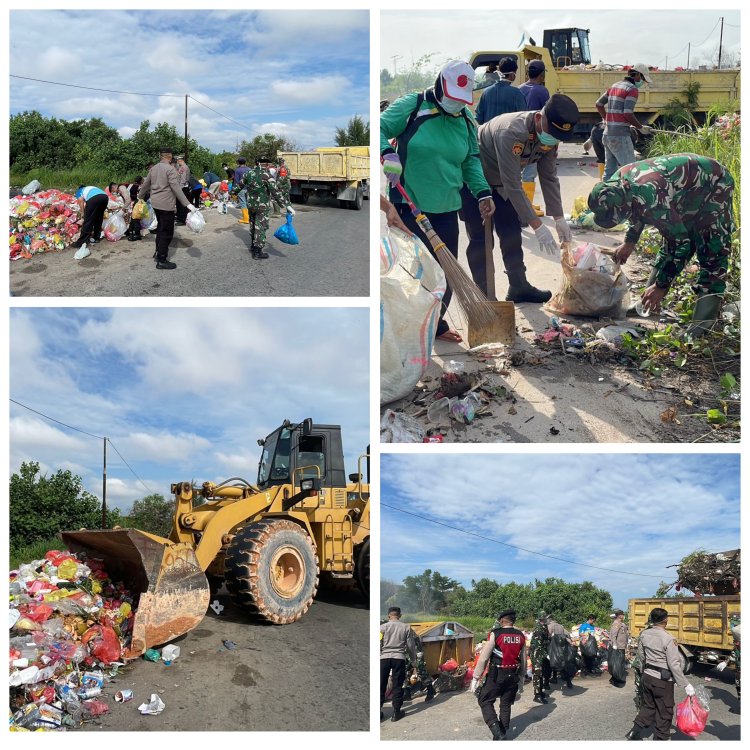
[[69, 625], [582, 217], [727, 124], [42, 222], [708, 573]]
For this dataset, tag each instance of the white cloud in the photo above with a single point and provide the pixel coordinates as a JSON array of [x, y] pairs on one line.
[[162, 447], [318, 90]]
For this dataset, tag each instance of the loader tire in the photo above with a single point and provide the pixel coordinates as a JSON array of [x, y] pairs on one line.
[[271, 569], [362, 568]]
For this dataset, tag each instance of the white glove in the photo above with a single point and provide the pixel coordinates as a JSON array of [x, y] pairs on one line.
[[191, 208], [290, 210], [721, 666], [563, 230], [645, 130], [689, 689], [473, 684], [547, 243]]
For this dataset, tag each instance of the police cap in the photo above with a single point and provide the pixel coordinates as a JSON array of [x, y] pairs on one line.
[[562, 114], [507, 614]]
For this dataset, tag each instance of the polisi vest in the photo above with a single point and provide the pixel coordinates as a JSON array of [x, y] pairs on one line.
[[509, 643]]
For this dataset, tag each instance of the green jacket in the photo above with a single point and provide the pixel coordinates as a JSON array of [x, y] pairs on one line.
[[438, 151]]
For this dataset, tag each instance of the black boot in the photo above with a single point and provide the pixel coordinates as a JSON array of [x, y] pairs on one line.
[[430, 693], [398, 714], [553, 681], [540, 698], [634, 734], [164, 264], [521, 291], [258, 253], [498, 733], [568, 684]]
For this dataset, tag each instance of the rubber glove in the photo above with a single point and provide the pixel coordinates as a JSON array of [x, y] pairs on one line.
[[689, 689], [290, 210], [547, 243], [721, 666], [191, 208], [473, 685], [645, 130], [563, 230], [392, 168]]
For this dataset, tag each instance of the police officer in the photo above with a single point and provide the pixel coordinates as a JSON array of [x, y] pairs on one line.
[[505, 652], [688, 198], [539, 659], [585, 631], [556, 629], [396, 639], [659, 659], [506, 145], [259, 191], [618, 641]]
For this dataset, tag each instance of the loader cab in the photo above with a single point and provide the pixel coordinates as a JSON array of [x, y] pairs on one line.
[[568, 46], [296, 451]]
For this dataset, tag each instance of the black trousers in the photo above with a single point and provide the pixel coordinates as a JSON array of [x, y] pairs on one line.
[[589, 663], [503, 684], [596, 142], [93, 218], [657, 707], [446, 227], [164, 233], [508, 228], [196, 198], [182, 210], [396, 668]]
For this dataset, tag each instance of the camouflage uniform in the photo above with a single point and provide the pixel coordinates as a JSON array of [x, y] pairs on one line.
[[284, 183], [260, 190], [688, 198], [538, 653], [734, 623], [424, 681]]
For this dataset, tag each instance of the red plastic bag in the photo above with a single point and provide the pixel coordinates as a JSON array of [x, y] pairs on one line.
[[95, 707], [449, 666], [103, 643], [691, 717]]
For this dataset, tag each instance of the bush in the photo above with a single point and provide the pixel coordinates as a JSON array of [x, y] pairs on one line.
[[152, 513]]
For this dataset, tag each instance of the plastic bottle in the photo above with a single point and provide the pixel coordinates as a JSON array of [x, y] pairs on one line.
[[641, 310], [170, 653]]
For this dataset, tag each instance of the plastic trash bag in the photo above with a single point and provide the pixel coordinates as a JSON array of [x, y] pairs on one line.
[[557, 652], [396, 427], [115, 227], [590, 648], [140, 209], [149, 219], [589, 292], [286, 232], [33, 187], [103, 643], [82, 252], [195, 222], [691, 716], [412, 286], [616, 664]]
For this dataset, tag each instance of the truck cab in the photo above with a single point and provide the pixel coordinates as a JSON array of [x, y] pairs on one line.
[[567, 46]]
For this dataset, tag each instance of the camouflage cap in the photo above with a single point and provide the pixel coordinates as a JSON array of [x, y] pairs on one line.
[[609, 202], [541, 615]]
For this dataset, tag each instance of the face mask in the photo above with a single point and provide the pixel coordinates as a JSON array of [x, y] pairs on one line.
[[639, 84], [451, 106], [547, 140]]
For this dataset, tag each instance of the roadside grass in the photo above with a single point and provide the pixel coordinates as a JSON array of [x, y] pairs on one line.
[[35, 551], [68, 180]]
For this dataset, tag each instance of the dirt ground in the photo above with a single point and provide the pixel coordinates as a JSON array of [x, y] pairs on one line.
[[331, 260], [307, 676], [539, 393], [592, 710]]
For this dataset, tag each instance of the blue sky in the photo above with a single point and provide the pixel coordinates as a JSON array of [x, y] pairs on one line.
[[294, 73], [183, 393], [628, 512], [619, 36]]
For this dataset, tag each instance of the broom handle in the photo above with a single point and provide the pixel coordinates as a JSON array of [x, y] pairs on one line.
[[423, 221]]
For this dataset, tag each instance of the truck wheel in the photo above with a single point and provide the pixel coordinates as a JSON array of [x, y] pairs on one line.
[[271, 569], [356, 204], [686, 663], [362, 568], [305, 196]]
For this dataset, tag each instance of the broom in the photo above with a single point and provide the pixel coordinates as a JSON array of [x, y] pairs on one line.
[[479, 312]]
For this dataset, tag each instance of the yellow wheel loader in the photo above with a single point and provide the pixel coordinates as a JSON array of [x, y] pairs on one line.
[[268, 542]]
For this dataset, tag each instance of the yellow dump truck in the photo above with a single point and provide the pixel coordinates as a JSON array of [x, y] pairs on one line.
[[699, 624], [342, 172], [567, 60]]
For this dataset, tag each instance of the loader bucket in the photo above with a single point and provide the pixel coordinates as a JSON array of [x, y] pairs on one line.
[[170, 590]]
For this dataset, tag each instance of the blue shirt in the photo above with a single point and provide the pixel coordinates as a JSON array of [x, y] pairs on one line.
[[585, 628], [88, 192], [536, 94], [499, 99]]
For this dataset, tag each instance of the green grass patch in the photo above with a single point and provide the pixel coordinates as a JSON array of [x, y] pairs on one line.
[[35, 551], [478, 625], [68, 180]]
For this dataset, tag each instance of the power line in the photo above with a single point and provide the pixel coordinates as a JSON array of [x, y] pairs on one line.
[[226, 117], [92, 88], [695, 45], [513, 546], [52, 419], [148, 489]]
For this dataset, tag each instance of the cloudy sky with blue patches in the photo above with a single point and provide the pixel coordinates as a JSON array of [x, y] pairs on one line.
[[299, 74], [182, 393], [629, 512]]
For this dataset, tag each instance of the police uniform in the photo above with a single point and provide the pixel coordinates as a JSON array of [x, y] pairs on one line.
[[504, 655], [554, 628], [507, 144], [396, 640], [259, 191], [659, 660]]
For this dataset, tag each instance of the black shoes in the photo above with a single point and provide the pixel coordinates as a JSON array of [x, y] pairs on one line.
[[258, 253], [398, 714], [498, 733], [633, 734], [553, 681], [568, 684], [165, 265], [540, 698]]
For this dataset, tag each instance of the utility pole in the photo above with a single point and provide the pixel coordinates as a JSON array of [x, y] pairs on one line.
[[721, 39], [395, 59], [688, 62], [104, 487], [186, 137]]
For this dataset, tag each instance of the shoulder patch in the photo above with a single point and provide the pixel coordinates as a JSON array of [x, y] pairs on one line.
[[517, 148]]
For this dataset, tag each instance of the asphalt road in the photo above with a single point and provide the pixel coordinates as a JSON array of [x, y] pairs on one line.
[[592, 710], [330, 261], [310, 675]]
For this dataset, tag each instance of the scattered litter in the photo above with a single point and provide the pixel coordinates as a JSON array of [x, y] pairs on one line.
[[217, 606], [670, 415], [463, 410], [433, 438], [554, 431], [82, 252], [230, 645], [455, 366], [397, 427], [614, 334], [170, 653], [151, 654], [123, 696], [454, 384], [154, 707]]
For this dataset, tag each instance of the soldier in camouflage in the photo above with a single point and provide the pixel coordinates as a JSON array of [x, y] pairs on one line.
[[260, 190], [688, 198], [283, 182], [418, 678], [539, 660]]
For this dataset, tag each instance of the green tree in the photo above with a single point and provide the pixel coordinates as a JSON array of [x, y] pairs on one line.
[[389, 591], [385, 77], [42, 506], [356, 133], [427, 592], [265, 146], [151, 513]]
